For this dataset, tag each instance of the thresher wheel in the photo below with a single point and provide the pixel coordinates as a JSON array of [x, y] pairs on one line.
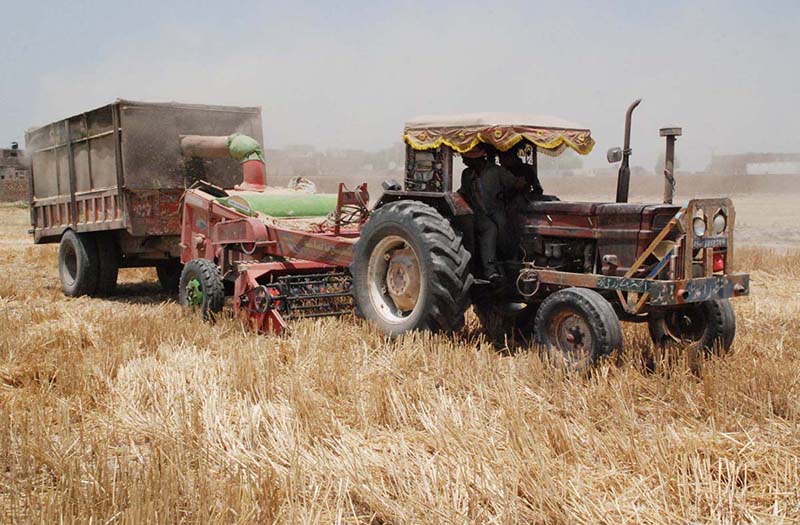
[[77, 264], [201, 288], [710, 325], [410, 270], [577, 326]]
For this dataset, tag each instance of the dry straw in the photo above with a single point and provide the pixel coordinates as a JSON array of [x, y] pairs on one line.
[[128, 411]]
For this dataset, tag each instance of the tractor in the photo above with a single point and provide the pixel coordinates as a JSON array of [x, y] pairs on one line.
[[569, 272]]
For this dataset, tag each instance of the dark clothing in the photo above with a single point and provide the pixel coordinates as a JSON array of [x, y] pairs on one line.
[[528, 173], [489, 194], [469, 188], [497, 187]]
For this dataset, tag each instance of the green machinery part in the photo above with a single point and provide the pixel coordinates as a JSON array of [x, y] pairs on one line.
[[283, 205], [243, 148]]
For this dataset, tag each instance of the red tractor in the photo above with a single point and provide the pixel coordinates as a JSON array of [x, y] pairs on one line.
[[567, 272]]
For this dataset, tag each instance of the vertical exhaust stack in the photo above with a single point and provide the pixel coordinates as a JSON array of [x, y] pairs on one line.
[[239, 147], [624, 177], [669, 162]]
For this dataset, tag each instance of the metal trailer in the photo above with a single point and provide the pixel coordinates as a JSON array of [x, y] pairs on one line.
[[113, 178]]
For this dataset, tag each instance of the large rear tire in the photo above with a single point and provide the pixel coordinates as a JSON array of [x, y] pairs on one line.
[[201, 288], [410, 270], [577, 326], [108, 256], [77, 264], [708, 325]]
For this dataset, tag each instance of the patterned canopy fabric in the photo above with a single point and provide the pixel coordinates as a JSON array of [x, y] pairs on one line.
[[551, 135]]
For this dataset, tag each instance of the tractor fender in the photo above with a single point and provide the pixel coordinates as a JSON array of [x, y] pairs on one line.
[[449, 205]]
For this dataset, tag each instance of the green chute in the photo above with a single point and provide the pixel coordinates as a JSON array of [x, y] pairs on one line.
[[244, 148], [284, 205]]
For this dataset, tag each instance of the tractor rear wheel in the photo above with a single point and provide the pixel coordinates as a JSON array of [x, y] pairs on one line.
[[201, 288], [169, 274], [709, 325], [410, 270], [577, 326], [77, 264]]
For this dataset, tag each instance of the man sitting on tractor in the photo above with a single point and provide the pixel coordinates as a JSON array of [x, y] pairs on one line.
[[488, 188], [512, 161]]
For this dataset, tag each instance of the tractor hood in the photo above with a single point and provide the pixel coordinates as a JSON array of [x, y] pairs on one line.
[[463, 132]]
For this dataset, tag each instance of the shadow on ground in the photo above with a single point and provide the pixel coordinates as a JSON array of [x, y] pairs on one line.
[[141, 293]]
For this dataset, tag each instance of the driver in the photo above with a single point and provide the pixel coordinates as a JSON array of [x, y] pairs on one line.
[[486, 187], [512, 161]]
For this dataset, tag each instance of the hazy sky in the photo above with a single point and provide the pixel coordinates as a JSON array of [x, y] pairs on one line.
[[348, 74]]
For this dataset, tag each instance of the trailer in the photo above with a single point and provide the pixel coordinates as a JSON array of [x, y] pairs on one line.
[[106, 184]]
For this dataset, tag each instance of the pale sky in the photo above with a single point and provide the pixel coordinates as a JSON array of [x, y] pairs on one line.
[[348, 74]]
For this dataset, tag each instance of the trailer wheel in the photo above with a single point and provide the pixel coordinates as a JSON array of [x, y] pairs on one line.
[[108, 263], [710, 325], [410, 270], [201, 288], [169, 274], [77, 264], [577, 326]]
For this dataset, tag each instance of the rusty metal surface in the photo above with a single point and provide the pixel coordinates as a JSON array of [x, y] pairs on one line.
[[205, 146], [151, 138], [212, 231], [661, 293], [154, 212], [622, 230], [129, 152]]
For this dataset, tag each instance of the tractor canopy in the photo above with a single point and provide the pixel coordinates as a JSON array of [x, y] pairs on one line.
[[551, 135]]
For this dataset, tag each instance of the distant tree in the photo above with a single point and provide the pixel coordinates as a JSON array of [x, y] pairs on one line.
[[658, 169]]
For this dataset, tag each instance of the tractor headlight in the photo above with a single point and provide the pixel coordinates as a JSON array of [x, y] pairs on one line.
[[720, 222], [699, 225]]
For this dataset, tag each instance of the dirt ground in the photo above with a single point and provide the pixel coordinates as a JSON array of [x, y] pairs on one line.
[[129, 410]]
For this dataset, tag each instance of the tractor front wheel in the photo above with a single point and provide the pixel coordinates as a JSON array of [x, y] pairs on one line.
[[709, 325], [201, 288], [577, 326], [410, 270]]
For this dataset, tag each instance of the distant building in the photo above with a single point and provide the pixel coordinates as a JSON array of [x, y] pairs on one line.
[[756, 164], [12, 165], [14, 174]]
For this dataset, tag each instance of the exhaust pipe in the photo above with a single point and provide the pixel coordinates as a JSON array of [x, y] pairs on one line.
[[239, 147], [624, 177], [669, 162]]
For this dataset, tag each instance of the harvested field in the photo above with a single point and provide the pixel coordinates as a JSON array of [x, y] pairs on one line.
[[126, 410]]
